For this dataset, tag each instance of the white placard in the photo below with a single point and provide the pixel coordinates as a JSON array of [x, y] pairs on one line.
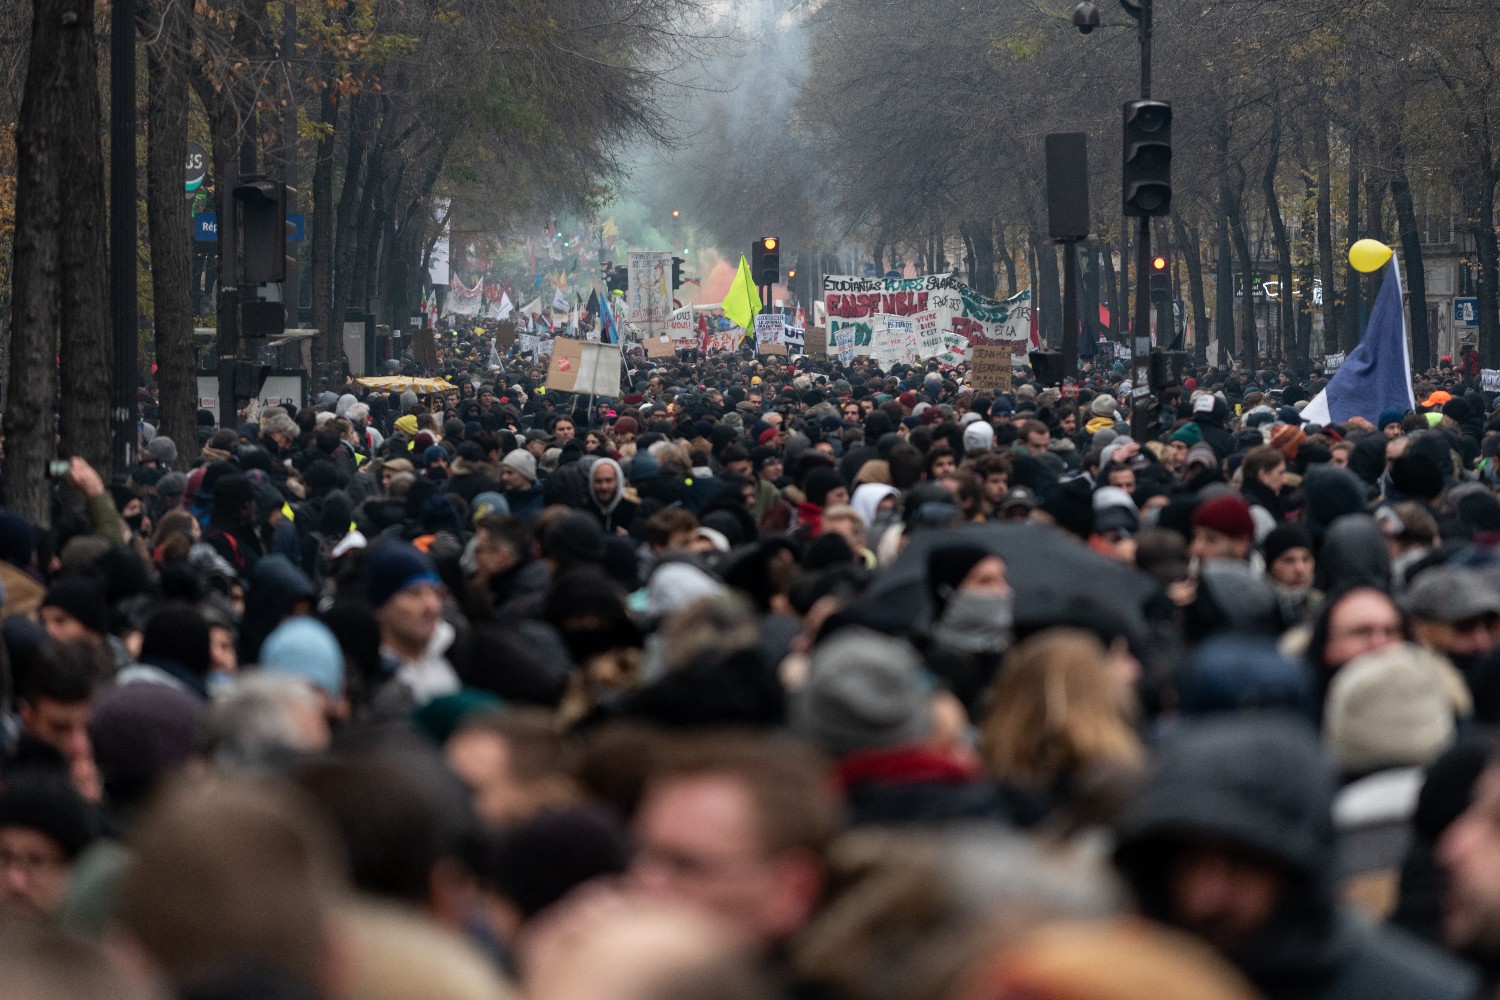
[[650, 297], [770, 329]]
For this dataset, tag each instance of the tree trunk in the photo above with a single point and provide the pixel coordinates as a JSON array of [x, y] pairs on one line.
[[321, 226], [60, 30], [1325, 230], [345, 239], [168, 219], [1478, 188], [87, 345], [1349, 332], [982, 260], [1374, 207], [1247, 302], [1303, 304], [1007, 258], [374, 201], [1224, 280], [1048, 294], [1279, 236], [1423, 350], [1190, 249]]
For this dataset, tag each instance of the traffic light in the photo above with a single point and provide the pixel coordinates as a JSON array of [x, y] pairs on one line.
[[1148, 158], [677, 263], [263, 230], [1161, 287], [765, 261]]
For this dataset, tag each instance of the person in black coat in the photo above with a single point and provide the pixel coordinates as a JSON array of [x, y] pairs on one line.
[[1210, 414], [1233, 840]]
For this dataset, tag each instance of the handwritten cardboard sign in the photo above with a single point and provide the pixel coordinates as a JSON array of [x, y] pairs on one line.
[[991, 369], [815, 342]]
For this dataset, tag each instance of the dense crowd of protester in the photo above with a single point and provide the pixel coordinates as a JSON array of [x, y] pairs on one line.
[[763, 680]]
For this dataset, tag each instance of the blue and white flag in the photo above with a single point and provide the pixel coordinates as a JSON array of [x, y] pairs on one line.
[[1377, 374], [609, 330]]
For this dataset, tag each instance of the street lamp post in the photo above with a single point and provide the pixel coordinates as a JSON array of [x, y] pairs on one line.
[[1086, 19]]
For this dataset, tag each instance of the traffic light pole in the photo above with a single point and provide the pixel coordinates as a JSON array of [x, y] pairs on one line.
[[1140, 416], [1141, 11], [1070, 308]]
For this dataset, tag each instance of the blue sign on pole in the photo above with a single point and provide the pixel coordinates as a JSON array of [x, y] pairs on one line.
[[206, 227], [1466, 311]]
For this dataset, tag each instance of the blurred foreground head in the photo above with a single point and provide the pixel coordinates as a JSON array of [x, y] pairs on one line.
[[234, 877], [1105, 960], [42, 963]]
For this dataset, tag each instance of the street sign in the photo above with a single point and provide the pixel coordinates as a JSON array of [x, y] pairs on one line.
[[1466, 311], [196, 167], [206, 227]]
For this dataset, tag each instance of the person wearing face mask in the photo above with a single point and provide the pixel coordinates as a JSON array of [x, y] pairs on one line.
[[972, 617]]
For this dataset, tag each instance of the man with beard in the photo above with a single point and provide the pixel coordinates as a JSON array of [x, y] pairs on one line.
[[607, 501]]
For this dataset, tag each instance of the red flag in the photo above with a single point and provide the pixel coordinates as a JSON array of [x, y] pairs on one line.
[[703, 333]]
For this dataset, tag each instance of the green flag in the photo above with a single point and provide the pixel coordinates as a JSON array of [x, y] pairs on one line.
[[743, 300]]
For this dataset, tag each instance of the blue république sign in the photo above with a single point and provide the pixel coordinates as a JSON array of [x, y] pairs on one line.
[[206, 227]]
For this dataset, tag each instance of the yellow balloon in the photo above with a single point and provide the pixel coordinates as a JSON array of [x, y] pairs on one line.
[[1369, 255]]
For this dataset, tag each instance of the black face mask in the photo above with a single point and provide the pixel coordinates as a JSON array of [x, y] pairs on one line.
[[134, 521]]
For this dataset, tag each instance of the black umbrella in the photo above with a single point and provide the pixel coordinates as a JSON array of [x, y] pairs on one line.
[[1056, 579]]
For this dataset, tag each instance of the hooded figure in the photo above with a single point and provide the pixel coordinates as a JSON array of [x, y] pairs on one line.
[[1354, 550], [867, 498], [1251, 798], [606, 497]]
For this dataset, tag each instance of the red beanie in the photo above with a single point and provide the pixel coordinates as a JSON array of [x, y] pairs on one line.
[[907, 399], [767, 436], [1287, 439], [1228, 515]]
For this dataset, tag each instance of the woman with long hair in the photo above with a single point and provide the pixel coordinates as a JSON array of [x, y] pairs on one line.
[[1060, 713]]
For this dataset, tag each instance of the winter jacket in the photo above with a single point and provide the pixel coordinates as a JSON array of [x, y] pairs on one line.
[[1214, 433], [1262, 784], [526, 504], [277, 584], [469, 479], [896, 786]]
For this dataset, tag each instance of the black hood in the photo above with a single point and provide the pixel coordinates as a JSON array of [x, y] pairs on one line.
[[1262, 784], [1354, 550]]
